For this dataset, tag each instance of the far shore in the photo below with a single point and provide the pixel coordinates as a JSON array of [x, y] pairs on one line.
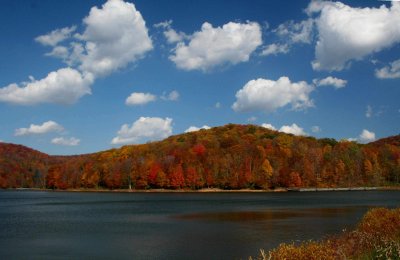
[[217, 190]]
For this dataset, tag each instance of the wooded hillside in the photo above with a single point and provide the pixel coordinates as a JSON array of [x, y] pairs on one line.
[[227, 157]]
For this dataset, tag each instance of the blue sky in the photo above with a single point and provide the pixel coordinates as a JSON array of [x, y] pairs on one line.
[[84, 76]]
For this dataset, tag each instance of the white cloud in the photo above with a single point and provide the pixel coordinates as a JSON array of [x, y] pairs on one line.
[[293, 129], [330, 81], [56, 36], [252, 119], [195, 128], [316, 129], [115, 36], [274, 49], [174, 36], [164, 24], [296, 32], [137, 98], [46, 127], [60, 52], [172, 96], [64, 86], [76, 54], [269, 95], [72, 141], [144, 129], [366, 136], [289, 129], [214, 46], [347, 33], [268, 126], [389, 72], [217, 105], [369, 112], [290, 33], [170, 34]]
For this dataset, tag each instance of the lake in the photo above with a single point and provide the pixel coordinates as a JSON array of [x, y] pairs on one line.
[[70, 225]]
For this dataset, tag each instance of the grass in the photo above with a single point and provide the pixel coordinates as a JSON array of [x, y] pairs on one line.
[[377, 236]]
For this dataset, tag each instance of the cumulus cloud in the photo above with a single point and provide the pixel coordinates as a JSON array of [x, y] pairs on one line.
[[144, 129], [46, 127], [290, 33], [217, 105], [252, 119], [137, 98], [174, 36], [75, 54], [316, 129], [171, 96], [170, 34], [64, 86], [115, 36], [293, 129], [389, 72], [348, 33], [56, 36], [300, 32], [195, 128], [369, 112], [330, 81], [268, 95], [268, 126], [274, 49], [289, 129], [60, 52], [367, 136], [72, 141], [214, 46]]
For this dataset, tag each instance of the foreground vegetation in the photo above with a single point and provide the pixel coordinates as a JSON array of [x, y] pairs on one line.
[[226, 157], [377, 236]]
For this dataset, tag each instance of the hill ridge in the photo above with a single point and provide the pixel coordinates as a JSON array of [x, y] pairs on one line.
[[229, 157]]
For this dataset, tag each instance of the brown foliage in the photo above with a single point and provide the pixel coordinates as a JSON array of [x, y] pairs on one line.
[[227, 157], [376, 237]]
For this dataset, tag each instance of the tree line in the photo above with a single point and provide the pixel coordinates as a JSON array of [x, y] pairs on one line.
[[227, 157]]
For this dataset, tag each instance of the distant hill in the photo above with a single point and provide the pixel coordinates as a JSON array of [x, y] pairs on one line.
[[19, 164], [226, 157], [391, 140]]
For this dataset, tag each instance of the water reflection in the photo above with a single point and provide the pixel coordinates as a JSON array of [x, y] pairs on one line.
[[239, 216], [172, 226], [245, 216]]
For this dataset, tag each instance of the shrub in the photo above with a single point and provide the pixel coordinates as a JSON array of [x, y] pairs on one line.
[[377, 236]]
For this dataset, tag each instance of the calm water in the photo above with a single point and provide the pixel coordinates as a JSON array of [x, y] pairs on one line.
[[62, 225]]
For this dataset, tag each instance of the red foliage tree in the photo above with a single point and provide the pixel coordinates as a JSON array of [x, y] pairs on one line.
[[294, 180], [199, 149], [176, 178]]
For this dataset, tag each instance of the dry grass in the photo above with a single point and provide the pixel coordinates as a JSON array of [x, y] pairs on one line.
[[377, 236]]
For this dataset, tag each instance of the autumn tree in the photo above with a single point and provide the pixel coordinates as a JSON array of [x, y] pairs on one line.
[[263, 180], [176, 178], [227, 157], [294, 180]]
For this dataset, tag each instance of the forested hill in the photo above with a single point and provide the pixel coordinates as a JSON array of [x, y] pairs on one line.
[[227, 157], [18, 163]]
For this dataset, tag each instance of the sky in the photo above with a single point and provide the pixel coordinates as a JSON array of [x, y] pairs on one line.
[[84, 76]]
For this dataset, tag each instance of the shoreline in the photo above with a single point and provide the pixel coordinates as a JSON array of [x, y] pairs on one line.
[[216, 190]]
